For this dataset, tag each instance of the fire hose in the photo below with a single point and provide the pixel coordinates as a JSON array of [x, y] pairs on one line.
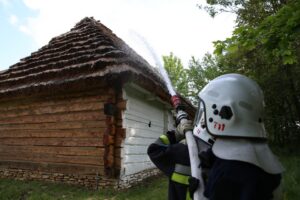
[[181, 116]]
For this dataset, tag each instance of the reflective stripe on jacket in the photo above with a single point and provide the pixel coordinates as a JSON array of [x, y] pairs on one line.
[[173, 160]]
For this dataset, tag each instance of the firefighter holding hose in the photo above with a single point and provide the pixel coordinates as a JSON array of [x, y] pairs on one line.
[[236, 161]]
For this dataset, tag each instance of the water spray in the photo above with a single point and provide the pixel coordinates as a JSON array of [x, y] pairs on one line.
[[158, 63], [180, 117]]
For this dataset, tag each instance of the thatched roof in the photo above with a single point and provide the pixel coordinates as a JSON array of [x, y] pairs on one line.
[[88, 55]]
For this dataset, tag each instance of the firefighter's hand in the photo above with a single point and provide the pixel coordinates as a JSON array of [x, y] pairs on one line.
[[193, 185], [184, 126]]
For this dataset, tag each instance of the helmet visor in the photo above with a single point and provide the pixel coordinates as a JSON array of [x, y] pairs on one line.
[[199, 113], [200, 126]]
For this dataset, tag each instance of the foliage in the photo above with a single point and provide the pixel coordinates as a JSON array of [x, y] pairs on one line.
[[265, 46], [214, 7], [250, 12], [177, 73], [190, 80], [200, 73]]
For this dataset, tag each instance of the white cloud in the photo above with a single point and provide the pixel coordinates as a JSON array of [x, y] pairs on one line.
[[13, 19], [25, 30], [4, 2], [177, 26]]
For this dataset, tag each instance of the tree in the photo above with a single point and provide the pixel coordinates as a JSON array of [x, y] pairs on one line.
[[190, 80], [268, 51], [249, 12], [200, 73], [177, 74]]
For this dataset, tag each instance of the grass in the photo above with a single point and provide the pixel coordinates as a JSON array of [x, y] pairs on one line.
[[155, 188], [290, 158], [36, 190], [291, 178]]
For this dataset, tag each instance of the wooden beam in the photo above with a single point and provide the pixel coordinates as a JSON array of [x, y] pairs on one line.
[[54, 126], [66, 151], [53, 167], [32, 104], [60, 108], [51, 158], [55, 133], [71, 142], [62, 117]]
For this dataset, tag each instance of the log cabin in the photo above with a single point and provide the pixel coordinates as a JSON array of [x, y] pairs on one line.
[[82, 110]]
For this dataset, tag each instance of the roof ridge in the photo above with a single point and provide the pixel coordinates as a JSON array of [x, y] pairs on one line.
[[86, 20]]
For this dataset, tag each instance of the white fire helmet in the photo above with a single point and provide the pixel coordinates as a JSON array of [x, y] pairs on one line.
[[233, 106]]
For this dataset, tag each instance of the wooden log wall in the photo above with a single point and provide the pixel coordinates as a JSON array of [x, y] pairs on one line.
[[63, 134], [114, 134]]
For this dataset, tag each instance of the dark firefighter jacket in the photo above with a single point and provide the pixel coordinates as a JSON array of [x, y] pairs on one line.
[[227, 179], [236, 180], [173, 160]]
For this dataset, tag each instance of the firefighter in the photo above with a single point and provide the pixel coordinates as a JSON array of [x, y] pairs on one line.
[[170, 154], [242, 166]]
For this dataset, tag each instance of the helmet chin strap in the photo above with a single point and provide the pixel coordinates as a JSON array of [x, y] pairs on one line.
[[202, 144]]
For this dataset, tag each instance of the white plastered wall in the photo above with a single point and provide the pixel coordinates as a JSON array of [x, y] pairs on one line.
[[146, 117]]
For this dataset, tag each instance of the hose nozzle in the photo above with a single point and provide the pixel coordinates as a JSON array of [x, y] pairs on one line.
[[177, 103]]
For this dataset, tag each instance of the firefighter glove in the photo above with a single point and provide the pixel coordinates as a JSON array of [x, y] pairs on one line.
[[193, 185], [184, 126]]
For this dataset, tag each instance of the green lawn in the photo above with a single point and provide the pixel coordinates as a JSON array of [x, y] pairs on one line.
[[149, 190], [35, 190], [291, 177]]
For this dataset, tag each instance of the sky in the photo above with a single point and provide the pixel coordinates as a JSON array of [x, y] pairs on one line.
[[177, 26]]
